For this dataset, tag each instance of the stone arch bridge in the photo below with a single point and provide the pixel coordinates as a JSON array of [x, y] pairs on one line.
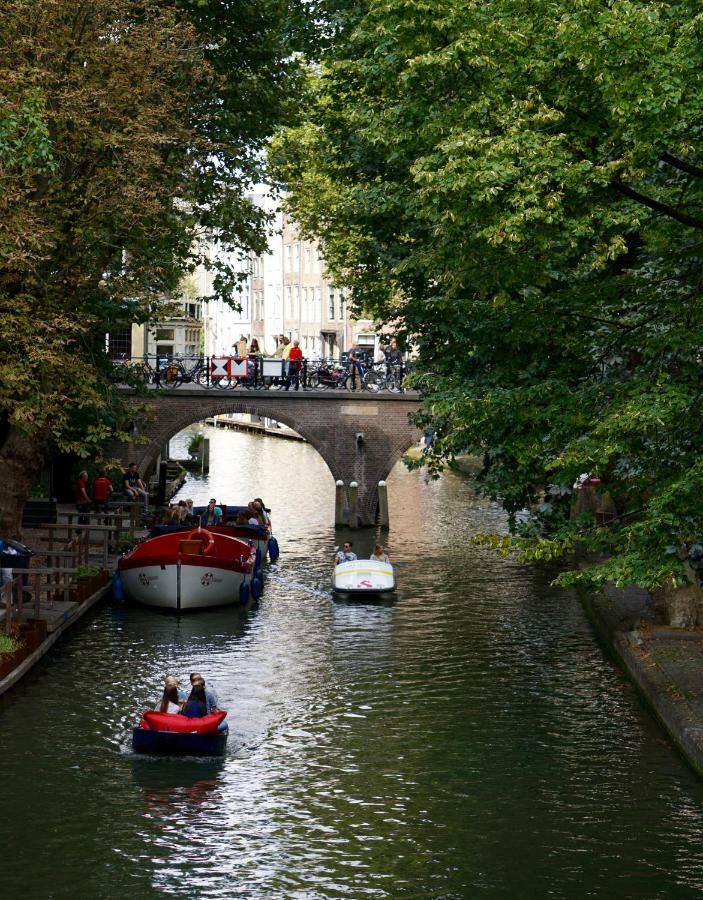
[[359, 436]]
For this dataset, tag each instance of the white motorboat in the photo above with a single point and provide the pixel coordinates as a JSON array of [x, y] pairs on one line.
[[363, 577], [195, 570]]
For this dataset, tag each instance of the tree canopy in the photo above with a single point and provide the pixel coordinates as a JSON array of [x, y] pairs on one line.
[[518, 188], [128, 129]]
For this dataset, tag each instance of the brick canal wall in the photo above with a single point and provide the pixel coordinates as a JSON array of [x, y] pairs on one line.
[[331, 422]]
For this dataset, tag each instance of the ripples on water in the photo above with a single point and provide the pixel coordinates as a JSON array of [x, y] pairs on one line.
[[468, 739]]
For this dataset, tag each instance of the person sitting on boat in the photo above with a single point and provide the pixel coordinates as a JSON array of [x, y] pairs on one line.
[[210, 695], [213, 514], [242, 518], [255, 517], [379, 554], [195, 706], [261, 509], [172, 699], [346, 554]]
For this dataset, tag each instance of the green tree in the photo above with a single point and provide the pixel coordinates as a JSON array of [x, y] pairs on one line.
[[518, 188], [128, 128]]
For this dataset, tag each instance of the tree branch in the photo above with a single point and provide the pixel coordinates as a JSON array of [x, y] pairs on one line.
[[681, 164], [657, 206]]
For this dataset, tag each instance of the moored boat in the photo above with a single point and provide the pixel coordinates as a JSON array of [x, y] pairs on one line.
[[363, 577], [170, 734], [196, 569]]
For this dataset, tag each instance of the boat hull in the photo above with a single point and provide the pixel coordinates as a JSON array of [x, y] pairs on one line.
[[171, 743], [363, 577], [183, 587], [182, 572]]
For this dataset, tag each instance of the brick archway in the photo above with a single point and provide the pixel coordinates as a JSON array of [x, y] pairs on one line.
[[330, 422]]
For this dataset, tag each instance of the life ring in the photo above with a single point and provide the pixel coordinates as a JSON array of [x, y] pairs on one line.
[[205, 537]]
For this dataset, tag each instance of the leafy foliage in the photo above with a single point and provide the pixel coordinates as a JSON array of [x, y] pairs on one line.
[[518, 188], [126, 129]]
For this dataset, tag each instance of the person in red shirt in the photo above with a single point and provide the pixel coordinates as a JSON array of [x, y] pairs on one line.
[[102, 488], [295, 364]]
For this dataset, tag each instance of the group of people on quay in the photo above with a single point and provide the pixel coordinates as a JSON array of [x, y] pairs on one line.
[[200, 701], [98, 498], [346, 554]]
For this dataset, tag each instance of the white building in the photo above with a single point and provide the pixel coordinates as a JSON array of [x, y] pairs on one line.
[[286, 293]]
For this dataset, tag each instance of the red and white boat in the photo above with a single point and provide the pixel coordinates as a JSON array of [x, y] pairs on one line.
[[190, 570]]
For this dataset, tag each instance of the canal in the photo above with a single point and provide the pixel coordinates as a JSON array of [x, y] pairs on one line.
[[469, 739]]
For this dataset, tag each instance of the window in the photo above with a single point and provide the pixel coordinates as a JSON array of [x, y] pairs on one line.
[[331, 309], [119, 343], [164, 334], [342, 305], [318, 304], [289, 257], [307, 266], [289, 301]]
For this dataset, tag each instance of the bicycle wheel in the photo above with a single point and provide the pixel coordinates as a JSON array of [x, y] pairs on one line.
[[172, 376], [373, 381], [314, 383], [221, 382], [141, 372]]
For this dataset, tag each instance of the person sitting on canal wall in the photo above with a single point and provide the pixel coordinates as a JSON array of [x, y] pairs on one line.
[[172, 699], [346, 554], [195, 706], [379, 554], [82, 498], [210, 695], [133, 485], [102, 488]]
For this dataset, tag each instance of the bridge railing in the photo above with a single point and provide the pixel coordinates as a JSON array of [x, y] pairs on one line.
[[259, 373]]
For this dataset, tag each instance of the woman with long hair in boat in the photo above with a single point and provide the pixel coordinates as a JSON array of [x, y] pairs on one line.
[[195, 706], [379, 554], [170, 699]]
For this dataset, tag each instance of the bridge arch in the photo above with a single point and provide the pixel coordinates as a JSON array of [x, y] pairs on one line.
[[360, 437]]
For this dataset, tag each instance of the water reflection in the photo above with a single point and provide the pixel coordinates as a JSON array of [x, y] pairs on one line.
[[467, 739]]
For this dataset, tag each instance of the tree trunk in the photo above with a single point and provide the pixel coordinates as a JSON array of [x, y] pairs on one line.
[[21, 461]]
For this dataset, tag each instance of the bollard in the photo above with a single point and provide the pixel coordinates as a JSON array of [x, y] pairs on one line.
[[339, 503], [383, 520], [353, 495]]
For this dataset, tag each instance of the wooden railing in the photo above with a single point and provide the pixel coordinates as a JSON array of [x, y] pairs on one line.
[[24, 592]]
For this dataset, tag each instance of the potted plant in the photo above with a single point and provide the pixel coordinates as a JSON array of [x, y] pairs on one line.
[[89, 581]]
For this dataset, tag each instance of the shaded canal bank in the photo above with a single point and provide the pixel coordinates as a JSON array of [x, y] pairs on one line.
[[469, 739], [665, 663]]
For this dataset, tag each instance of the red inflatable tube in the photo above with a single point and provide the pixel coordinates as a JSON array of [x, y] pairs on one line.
[[156, 721]]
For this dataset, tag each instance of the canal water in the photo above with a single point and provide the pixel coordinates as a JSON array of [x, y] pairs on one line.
[[469, 739]]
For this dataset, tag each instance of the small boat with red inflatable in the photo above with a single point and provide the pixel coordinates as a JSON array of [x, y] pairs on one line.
[[171, 734], [190, 570]]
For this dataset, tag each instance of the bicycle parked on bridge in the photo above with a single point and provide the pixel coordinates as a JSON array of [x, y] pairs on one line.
[[384, 377], [330, 375]]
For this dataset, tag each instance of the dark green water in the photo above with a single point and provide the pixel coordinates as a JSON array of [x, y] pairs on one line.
[[468, 740]]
